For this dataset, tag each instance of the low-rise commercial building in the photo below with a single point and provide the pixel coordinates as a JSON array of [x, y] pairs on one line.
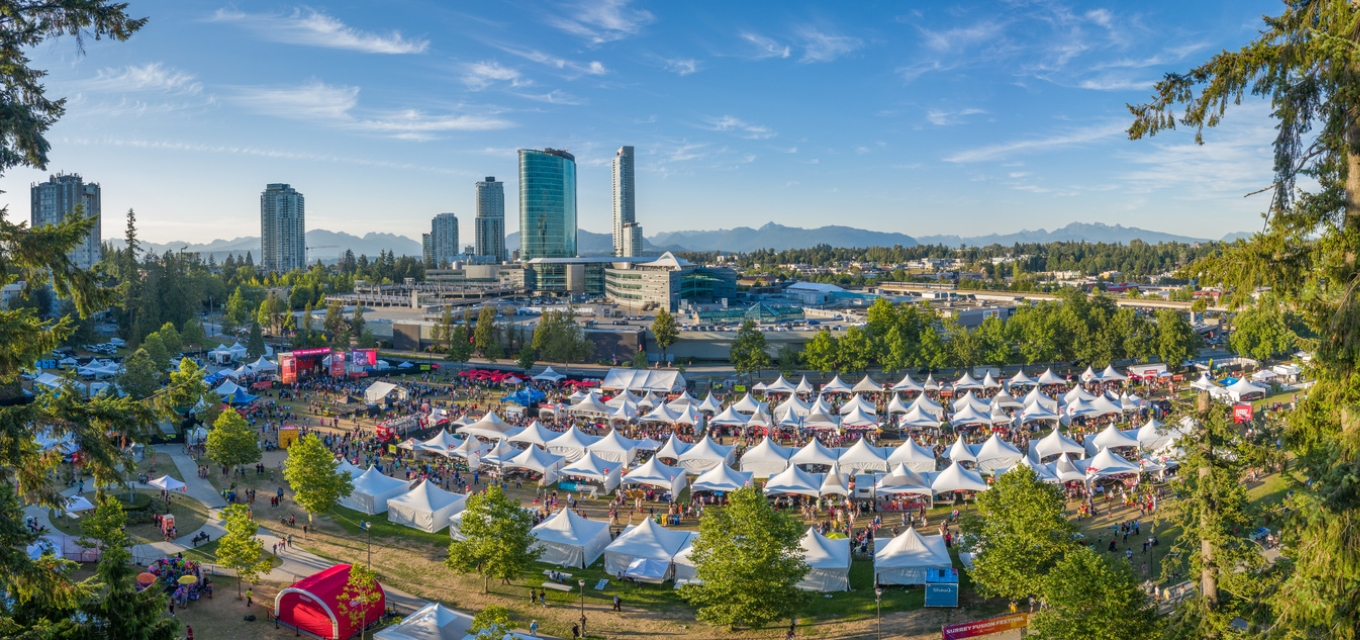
[[666, 281]]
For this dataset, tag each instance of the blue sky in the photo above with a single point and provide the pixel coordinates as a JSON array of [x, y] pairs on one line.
[[922, 118]]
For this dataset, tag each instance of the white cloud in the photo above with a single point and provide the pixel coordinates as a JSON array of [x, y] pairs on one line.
[[556, 96], [961, 37], [825, 47], [940, 117], [1110, 83], [602, 21], [682, 67], [152, 77], [766, 47], [744, 129], [480, 75], [1233, 161], [997, 151], [577, 69], [172, 145], [336, 105], [314, 28]]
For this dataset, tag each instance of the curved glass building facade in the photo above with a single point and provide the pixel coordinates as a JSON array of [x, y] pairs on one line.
[[547, 204]]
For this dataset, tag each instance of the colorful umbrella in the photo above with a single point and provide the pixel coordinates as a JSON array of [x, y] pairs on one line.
[[187, 580], [146, 578]]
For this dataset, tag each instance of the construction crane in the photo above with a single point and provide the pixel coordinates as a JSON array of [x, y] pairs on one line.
[[324, 246]]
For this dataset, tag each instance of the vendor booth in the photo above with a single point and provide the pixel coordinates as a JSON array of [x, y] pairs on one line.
[[569, 540], [426, 507], [907, 558]]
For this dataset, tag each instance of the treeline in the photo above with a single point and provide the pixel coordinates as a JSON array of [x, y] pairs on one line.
[[1079, 328]]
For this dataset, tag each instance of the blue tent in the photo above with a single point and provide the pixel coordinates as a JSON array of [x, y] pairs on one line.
[[213, 378], [241, 397], [525, 396]]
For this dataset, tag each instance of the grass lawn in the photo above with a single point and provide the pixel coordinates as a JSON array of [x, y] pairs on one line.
[[189, 515]]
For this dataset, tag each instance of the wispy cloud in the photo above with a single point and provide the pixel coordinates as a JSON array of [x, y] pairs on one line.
[[941, 118], [1065, 139], [480, 75], [958, 38], [152, 77], [740, 127], [1115, 83], [258, 152], [575, 69], [314, 28], [601, 21], [682, 66], [819, 46], [766, 47], [335, 106], [555, 96]]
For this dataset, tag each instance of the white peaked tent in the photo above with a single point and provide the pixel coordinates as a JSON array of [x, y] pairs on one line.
[[569, 540], [627, 397], [539, 461], [988, 382], [426, 507], [548, 375], [721, 478], [794, 481], [648, 444], [791, 419], [862, 456], [867, 385], [966, 382], [828, 562], [1205, 383], [1067, 470], [467, 449], [1110, 375], [673, 448], [794, 404], [924, 403], [345, 467], [803, 386], [226, 388], [765, 459], [960, 451], [1089, 374], [1244, 390], [263, 366], [433, 621], [858, 417], [1006, 401], [907, 384], [648, 401], [1038, 412], [1107, 463], [970, 416], [571, 444], [970, 400], [685, 570], [589, 406], [746, 404], [500, 454], [710, 405], [614, 448], [533, 434], [1020, 379], [1154, 436], [372, 490], [914, 456], [814, 452], [379, 391], [655, 473], [1078, 393], [646, 541], [683, 400], [1048, 377], [1054, 444], [918, 418], [440, 443], [1044, 473], [999, 415], [956, 478], [780, 386], [704, 455], [903, 480], [760, 419], [836, 386], [729, 418], [834, 483], [996, 455], [491, 427], [896, 406], [822, 420], [1111, 437], [166, 483], [663, 413], [626, 412], [690, 416], [1038, 397], [858, 402], [907, 558], [595, 469], [643, 380], [930, 384]]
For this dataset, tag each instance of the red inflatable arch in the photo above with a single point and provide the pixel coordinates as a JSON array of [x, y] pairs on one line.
[[312, 605]]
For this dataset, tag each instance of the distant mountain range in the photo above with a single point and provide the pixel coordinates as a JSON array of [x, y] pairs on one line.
[[329, 245], [323, 245]]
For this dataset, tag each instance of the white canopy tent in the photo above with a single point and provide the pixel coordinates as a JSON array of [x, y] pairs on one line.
[[646, 541], [539, 461], [433, 621], [441, 443], [996, 455], [685, 570], [1243, 390], [956, 478], [660, 381], [746, 404], [655, 473], [836, 386], [426, 507], [1038, 412], [372, 490], [988, 382], [902, 480], [590, 405], [834, 483], [662, 413], [704, 455], [710, 405], [1006, 401], [907, 385], [858, 402], [794, 404], [614, 448], [918, 418], [896, 406], [794, 481], [858, 417], [673, 448], [548, 375], [1107, 463], [828, 562], [729, 418], [970, 416], [867, 385], [595, 469], [862, 456], [379, 391], [780, 386], [1067, 470], [721, 478], [571, 444], [1021, 380], [491, 427], [533, 434], [907, 558], [1111, 437], [1054, 444], [569, 540], [960, 451], [914, 456], [166, 483], [966, 382], [1110, 375], [814, 452], [765, 459], [1048, 378], [803, 387]]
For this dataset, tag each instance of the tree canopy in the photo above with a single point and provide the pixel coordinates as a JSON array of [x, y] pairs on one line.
[[749, 353], [1019, 534], [232, 442], [498, 536], [312, 473]]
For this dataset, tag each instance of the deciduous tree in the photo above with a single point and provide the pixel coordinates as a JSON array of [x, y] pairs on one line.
[[360, 595], [312, 473], [664, 331], [239, 549], [822, 352], [140, 377], [1018, 535], [498, 536], [232, 442], [748, 352], [491, 623], [1087, 596]]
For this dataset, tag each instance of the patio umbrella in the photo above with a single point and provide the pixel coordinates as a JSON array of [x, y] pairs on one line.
[[187, 580], [146, 578]]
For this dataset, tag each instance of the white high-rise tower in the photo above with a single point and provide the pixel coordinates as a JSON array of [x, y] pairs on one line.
[[625, 211]]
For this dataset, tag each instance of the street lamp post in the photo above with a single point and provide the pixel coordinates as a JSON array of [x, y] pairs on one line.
[[368, 529], [582, 584], [878, 600]]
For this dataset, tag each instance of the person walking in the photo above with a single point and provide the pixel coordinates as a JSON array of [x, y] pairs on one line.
[[575, 631], [618, 603], [249, 596], [533, 628]]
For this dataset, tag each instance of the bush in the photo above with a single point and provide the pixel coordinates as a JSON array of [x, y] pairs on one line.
[[139, 507]]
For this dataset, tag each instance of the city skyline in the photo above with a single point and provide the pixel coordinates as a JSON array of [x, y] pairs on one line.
[[1001, 116]]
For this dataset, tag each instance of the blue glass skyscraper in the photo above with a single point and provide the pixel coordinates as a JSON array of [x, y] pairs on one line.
[[547, 204]]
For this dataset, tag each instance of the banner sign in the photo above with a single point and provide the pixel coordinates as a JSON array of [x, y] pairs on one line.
[[985, 626], [1242, 413], [287, 368], [307, 353], [338, 365]]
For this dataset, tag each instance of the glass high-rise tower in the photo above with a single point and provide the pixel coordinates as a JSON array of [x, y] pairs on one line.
[[625, 211], [547, 204], [283, 229], [58, 198], [489, 225], [444, 239]]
